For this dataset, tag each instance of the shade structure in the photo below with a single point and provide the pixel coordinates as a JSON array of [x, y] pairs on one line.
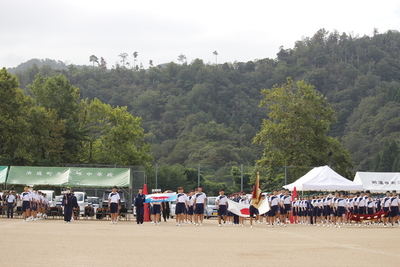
[[323, 179], [379, 182], [69, 176], [3, 174]]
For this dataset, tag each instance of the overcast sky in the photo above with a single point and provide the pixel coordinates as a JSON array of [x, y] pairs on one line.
[[161, 30]]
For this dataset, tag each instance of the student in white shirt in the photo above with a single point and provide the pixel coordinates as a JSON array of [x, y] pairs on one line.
[[189, 213], [114, 204], [394, 208], [222, 204], [200, 201], [181, 206], [26, 200], [156, 209]]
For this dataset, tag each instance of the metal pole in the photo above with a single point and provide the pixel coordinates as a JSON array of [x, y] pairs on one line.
[[198, 175], [285, 175], [156, 175], [241, 178]]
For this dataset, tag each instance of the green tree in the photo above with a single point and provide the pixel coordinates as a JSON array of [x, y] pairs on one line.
[[388, 157], [14, 128], [93, 59], [56, 93], [295, 132], [135, 55], [29, 135], [123, 57], [215, 53], [115, 136], [182, 58]]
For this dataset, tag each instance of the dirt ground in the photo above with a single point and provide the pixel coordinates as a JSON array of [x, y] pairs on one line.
[[84, 242]]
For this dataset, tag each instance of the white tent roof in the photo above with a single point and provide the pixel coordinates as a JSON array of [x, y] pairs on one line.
[[323, 178], [378, 181]]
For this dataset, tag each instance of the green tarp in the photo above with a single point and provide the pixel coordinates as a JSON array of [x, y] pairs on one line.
[[3, 174], [99, 177], [74, 177]]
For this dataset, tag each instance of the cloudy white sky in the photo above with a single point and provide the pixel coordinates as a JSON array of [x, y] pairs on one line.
[[160, 30]]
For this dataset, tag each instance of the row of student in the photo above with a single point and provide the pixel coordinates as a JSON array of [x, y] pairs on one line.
[[189, 207], [34, 204], [331, 210]]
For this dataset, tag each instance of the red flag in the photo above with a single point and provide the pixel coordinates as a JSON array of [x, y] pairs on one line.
[[363, 217], [146, 216], [256, 197], [294, 195]]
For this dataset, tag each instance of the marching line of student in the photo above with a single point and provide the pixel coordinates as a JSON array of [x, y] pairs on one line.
[[326, 209]]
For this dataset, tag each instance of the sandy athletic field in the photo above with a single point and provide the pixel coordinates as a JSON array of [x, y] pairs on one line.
[[98, 243]]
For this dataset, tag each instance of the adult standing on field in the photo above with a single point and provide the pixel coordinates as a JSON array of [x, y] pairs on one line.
[[138, 202], [11, 201], [69, 202]]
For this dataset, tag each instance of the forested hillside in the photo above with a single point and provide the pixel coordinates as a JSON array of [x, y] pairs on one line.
[[197, 113]]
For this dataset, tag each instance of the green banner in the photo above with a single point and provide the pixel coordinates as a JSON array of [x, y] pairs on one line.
[[3, 174], [38, 175], [74, 177], [99, 177]]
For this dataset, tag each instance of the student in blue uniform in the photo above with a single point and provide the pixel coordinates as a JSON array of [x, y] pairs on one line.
[[189, 213], [181, 206], [200, 200], [114, 204], [156, 210], [394, 208], [26, 204], [386, 203], [138, 202], [222, 204], [273, 203]]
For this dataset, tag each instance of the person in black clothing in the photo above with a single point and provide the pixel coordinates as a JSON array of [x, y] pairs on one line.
[[236, 217], [70, 203], [138, 202], [11, 200], [165, 210]]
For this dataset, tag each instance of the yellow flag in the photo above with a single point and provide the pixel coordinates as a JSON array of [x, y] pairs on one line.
[[256, 197]]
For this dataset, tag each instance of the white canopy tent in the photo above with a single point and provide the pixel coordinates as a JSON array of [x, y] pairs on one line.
[[378, 181], [323, 179]]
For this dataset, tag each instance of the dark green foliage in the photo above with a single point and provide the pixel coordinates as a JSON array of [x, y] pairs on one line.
[[204, 113]]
